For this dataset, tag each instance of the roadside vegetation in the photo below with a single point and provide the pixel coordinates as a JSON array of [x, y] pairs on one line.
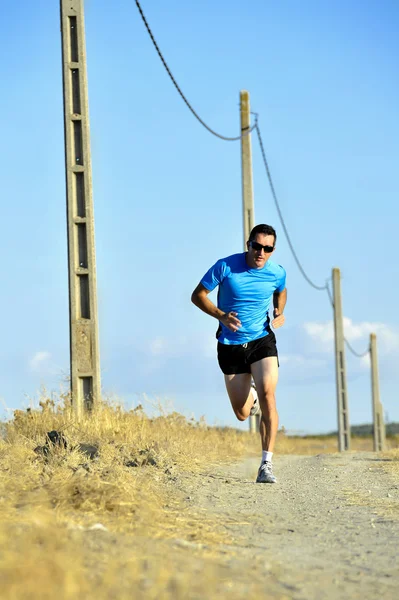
[[96, 509]]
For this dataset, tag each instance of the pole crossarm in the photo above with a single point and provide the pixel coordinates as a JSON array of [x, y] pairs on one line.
[[84, 343]]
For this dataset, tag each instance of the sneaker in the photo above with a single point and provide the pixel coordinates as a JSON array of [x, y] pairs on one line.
[[265, 473], [255, 410]]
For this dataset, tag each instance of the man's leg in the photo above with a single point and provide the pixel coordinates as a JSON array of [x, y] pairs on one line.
[[239, 391], [265, 375]]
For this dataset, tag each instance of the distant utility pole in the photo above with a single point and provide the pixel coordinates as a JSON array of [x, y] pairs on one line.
[[247, 193], [344, 434], [246, 166], [378, 411], [84, 344]]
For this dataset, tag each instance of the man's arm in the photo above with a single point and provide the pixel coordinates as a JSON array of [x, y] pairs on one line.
[[279, 302], [199, 297]]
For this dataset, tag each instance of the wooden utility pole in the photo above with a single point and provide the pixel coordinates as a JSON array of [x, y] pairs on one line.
[[84, 343], [247, 193], [246, 168], [378, 411], [344, 434]]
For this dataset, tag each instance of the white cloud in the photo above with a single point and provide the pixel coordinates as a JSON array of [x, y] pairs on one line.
[[39, 361], [322, 333], [357, 331], [389, 337], [365, 361]]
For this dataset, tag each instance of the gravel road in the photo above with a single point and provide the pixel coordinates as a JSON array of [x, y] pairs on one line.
[[329, 529]]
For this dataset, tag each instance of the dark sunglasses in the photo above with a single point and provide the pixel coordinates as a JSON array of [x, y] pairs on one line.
[[259, 247]]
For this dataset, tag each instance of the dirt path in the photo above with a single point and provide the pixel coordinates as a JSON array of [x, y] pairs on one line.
[[328, 529]]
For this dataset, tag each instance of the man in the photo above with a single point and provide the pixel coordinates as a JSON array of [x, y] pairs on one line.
[[246, 345]]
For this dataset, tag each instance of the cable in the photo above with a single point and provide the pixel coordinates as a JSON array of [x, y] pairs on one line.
[[222, 137], [329, 294], [345, 340], [255, 126], [317, 287], [354, 352]]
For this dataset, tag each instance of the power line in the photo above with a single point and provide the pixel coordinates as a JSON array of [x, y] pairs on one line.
[[354, 351], [329, 294], [302, 270], [255, 126], [359, 355], [317, 287], [222, 137]]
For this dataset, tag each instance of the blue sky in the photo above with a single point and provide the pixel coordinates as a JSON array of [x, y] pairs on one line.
[[323, 78]]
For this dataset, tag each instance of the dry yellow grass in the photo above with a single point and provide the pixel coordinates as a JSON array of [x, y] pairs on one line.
[[50, 504], [383, 505], [311, 445]]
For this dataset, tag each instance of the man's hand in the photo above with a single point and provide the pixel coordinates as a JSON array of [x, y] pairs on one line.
[[230, 321], [279, 319]]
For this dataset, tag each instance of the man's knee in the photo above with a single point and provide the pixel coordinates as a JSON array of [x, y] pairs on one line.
[[240, 415], [270, 396], [267, 391], [267, 398]]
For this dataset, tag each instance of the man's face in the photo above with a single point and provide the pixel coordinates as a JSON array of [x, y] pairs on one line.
[[257, 256]]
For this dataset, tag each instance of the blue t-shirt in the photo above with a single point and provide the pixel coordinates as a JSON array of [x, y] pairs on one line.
[[247, 292]]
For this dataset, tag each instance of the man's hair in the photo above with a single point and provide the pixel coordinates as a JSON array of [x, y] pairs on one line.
[[265, 229]]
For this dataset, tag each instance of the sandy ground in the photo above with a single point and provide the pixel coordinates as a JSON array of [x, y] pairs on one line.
[[329, 529]]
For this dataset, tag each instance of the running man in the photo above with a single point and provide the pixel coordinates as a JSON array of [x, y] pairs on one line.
[[246, 345]]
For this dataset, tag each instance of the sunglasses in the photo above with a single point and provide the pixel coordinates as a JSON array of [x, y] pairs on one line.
[[259, 247]]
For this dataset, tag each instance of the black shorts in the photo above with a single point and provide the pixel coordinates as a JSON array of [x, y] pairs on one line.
[[238, 358]]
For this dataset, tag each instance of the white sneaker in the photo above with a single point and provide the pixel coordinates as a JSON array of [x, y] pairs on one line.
[[265, 473], [255, 410]]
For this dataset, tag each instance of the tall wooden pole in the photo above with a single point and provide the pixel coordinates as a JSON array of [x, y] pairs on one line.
[[84, 342], [344, 435], [246, 168], [378, 411], [247, 193]]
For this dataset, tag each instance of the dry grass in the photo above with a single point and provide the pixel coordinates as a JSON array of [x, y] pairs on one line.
[[115, 526], [390, 461], [384, 504], [323, 444], [392, 455], [137, 457], [49, 503]]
